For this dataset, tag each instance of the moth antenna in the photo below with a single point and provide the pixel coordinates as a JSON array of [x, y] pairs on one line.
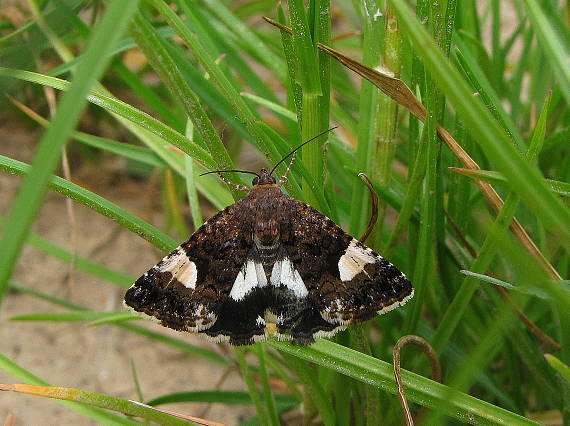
[[295, 151], [283, 179]]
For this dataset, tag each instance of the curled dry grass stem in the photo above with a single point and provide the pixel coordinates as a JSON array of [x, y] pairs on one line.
[[435, 368], [373, 208], [401, 93]]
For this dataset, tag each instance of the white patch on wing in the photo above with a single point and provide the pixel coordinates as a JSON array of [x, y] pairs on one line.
[[187, 275], [181, 268], [354, 259], [250, 276], [285, 274]]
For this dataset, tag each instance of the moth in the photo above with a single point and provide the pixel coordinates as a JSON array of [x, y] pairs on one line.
[[269, 256]]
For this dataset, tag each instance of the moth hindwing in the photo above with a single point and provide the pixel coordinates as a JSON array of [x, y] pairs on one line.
[[268, 255]]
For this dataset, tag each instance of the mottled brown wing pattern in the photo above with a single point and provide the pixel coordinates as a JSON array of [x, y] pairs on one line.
[[346, 281], [268, 252], [188, 289]]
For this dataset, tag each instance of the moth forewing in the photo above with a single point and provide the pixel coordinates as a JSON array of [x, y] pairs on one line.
[[268, 256]]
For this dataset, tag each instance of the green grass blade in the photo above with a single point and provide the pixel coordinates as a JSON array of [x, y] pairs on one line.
[[559, 366], [495, 281], [251, 388], [221, 41], [496, 178], [81, 263], [523, 178], [97, 203], [182, 346], [368, 120], [315, 395], [250, 40], [419, 389], [480, 356], [488, 95], [276, 108], [29, 199], [77, 316], [166, 68], [122, 109], [187, 348], [305, 50], [43, 296], [458, 306], [243, 111], [131, 152], [136, 381], [125, 150], [272, 413], [97, 414], [98, 400], [555, 48], [426, 253], [384, 147], [308, 73], [147, 95], [217, 396], [190, 179]]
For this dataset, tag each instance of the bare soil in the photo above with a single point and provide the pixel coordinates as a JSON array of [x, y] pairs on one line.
[[74, 354]]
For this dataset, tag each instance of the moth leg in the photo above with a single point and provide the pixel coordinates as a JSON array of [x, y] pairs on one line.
[[233, 185]]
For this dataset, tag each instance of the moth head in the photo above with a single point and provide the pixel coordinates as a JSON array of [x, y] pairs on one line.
[[264, 178]]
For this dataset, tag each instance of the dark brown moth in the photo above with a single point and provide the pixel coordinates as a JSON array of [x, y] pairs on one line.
[[268, 256]]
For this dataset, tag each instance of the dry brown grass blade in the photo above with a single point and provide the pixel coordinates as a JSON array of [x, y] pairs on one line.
[[373, 208], [435, 368], [401, 93], [393, 87], [76, 395]]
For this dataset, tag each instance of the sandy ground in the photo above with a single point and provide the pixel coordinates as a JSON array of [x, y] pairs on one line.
[[73, 354]]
